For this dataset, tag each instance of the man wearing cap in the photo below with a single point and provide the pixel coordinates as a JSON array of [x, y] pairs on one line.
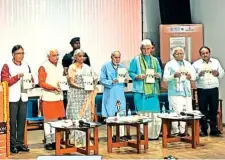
[[68, 58], [146, 93]]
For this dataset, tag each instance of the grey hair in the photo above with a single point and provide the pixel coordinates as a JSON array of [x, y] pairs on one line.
[[146, 42], [50, 50], [77, 51], [113, 53], [176, 49]]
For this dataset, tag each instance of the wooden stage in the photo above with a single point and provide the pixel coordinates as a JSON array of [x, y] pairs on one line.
[[209, 148]]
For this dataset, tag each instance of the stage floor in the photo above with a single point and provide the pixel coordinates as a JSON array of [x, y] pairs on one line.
[[209, 148]]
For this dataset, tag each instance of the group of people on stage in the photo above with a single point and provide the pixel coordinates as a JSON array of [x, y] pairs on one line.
[[178, 73]]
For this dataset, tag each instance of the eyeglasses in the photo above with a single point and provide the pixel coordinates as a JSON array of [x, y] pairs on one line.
[[19, 53]]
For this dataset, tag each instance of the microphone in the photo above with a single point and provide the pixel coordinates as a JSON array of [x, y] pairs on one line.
[[82, 123], [187, 114]]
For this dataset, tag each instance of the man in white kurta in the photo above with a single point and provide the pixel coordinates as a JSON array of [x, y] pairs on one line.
[[178, 73], [49, 74]]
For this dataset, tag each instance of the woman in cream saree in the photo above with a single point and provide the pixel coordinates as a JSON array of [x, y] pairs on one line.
[[81, 103]]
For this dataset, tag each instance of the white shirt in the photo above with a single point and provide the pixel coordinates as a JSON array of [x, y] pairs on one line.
[[206, 82], [175, 89]]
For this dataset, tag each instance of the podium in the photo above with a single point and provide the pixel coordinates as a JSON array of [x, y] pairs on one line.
[[4, 121]]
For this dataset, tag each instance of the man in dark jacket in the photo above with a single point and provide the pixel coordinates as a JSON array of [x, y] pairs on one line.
[[68, 58]]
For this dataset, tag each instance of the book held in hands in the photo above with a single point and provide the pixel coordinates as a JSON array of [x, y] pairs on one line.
[[150, 76]]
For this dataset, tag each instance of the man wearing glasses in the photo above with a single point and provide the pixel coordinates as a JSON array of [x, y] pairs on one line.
[[13, 72]]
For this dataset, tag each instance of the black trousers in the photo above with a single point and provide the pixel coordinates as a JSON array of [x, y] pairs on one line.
[[17, 111], [65, 100], [208, 105]]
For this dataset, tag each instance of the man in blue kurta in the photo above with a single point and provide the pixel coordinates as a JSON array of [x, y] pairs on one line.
[[146, 94], [113, 90]]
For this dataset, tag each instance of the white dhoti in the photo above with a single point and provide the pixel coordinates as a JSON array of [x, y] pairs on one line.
[[179, 104], [122, 129], [49, 133], [154, 127]]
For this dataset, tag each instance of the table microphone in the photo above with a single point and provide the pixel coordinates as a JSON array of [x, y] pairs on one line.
[[187, 114], [83, 124]]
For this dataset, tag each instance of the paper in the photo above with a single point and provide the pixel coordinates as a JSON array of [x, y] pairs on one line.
[[61, 123], [150, 76], [208, 71], [184, 73], [88, 81], [27, 81], [63, 83], [121, 75]]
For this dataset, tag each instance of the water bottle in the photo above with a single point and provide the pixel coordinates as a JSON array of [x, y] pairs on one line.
[[163, 109], [129, 113]]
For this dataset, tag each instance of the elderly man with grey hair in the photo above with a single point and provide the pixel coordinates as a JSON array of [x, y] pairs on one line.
[[113, 100], [146, 92], [178, 73], [49, 74]]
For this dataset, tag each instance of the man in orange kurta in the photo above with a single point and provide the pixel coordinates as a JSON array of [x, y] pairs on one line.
[[49, 75]]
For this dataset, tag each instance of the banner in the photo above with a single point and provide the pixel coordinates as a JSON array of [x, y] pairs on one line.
[[189, 37]]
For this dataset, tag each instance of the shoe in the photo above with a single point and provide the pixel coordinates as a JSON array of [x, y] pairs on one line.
[[49, 147], [128, 137], [13, 150], [123, 138], [53, 145], [153, 139], [176, 134], [142, 137], [184, 135], [215, 134], [203, 134], [23, 148], [114, 139]]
